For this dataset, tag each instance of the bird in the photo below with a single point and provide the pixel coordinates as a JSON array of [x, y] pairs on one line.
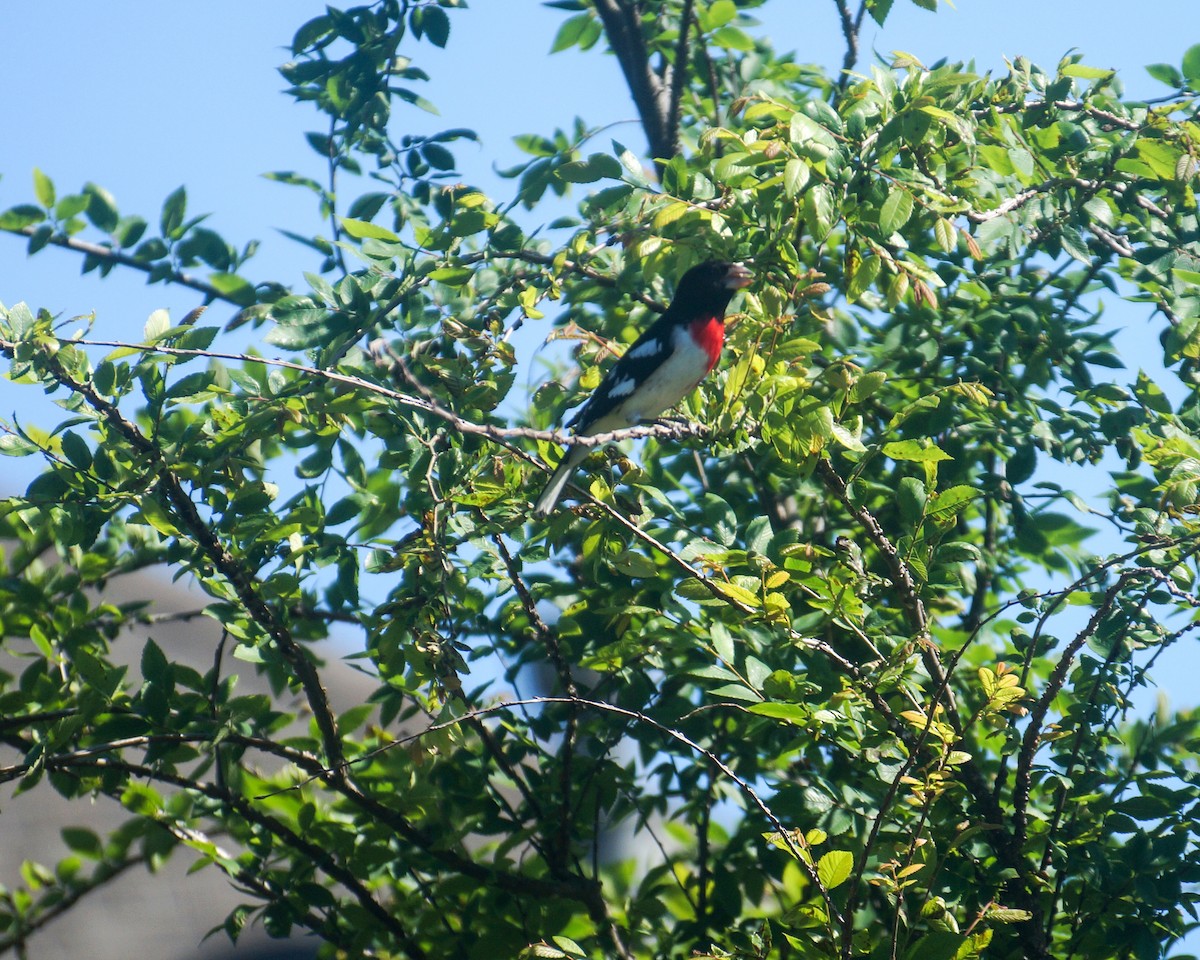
[[664, 365]]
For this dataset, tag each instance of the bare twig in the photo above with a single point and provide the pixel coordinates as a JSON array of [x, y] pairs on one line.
[[674, 430], [112, 255], [1023, 775], [901, 576], [1073, 106], [335, 225], [1005, 843], [792, 841]]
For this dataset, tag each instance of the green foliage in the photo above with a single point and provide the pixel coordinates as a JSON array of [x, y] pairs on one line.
[[844, 672]]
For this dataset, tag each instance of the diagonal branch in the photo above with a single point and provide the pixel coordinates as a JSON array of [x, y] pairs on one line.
[[1005, 843], [55, 902], [243, 582], [665, 430], [111, 255]]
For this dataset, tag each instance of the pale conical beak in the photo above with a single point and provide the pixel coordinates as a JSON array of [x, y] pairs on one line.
[[738, 277]]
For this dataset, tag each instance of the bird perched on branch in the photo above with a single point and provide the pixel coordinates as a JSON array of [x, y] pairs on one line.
[[662, 367]]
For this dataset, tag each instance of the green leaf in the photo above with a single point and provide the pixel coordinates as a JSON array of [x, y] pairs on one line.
[[76, 450], [40, 238], [879, 10], [158, 323], [43, 188], [734, 691], [569, 946], [911, 498], [896, 210], [364, 230], [946, 234], [14, 446], [21, 216], [173, 210], [1081, 72], [571, 31], [598, 166], [916, 451], [946, 505], [731, 38], [847, 439], [805, 131], [435, 25], [156, 515], [863, 276], [634, 170], [141, 799], [634, 564], [789, 712], [818, 212], [194, 384], [452, 276], [833, 869], [1191, 66], [736, 593], [1165, 73], [83, 841], [795, 176], [938, 945], [311, 32], [722, 641], [1073, 244], [101, 208], [296, 180], [129, 230], [720, 12], [1022, 161], [238, 289], [1008, 915], [155, 666]]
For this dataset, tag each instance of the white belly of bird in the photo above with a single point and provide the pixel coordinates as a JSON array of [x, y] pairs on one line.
[[665, 387]]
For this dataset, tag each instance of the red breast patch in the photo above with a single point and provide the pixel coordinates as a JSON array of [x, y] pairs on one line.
[[709, 335]]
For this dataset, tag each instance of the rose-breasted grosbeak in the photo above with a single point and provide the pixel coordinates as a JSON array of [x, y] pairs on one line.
[[662, 367]]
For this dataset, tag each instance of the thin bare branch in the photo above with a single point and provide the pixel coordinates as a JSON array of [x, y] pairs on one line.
[[111, 255]]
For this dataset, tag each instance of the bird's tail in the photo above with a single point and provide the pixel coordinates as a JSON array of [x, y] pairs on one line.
[[548, 498]]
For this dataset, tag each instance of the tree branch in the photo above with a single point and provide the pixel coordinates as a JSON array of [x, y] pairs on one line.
[[679, 72], [244, 584], [1006, 844], [1023, 776], [110, 255], [104, 873], [850, 28], [623, 28]]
